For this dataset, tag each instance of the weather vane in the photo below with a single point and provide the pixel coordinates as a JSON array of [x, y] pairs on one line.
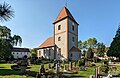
[[66, 4]]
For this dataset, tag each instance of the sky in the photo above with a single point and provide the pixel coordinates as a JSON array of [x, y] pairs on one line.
[[33, 19]]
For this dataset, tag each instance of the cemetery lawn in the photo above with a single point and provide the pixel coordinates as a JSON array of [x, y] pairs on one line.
[[87, 73], [6, 72]]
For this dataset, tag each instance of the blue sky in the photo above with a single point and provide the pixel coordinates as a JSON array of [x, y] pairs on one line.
[[33, 19]]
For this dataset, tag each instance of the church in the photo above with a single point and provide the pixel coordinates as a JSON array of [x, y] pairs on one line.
[[64, 43]]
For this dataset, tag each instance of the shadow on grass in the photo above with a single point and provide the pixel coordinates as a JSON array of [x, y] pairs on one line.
[[2, 67], [77, 76], [4, 72]]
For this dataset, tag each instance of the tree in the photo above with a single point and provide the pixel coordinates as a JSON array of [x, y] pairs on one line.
[[114, 49], [6, 12], [92, 42], [33, 52], [16, 39], [80, 44], [5, 48], [7, 41], [101, 49], [89, 54], [85, 45]]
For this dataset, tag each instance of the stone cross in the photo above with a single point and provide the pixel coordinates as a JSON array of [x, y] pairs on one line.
[[70, 65], [57, 68]]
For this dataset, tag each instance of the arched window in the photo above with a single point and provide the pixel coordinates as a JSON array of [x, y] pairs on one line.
[[59, 38], [71, 55], [73, 27], [59, 50], [59, 27], [73, 39]]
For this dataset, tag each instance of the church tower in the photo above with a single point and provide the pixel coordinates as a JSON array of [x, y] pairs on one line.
[[65, 35]]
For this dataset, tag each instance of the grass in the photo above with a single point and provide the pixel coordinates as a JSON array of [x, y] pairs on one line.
[[6, 72], [87, 73]]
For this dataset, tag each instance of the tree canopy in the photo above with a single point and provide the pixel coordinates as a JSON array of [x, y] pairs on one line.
[[114, 49], [92, 46], [101, 49], [6, 12], [7, 41]]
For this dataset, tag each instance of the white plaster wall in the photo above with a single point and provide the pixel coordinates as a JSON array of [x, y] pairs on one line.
[[19, 55], [63, 43], [63, 24], [46, 53]]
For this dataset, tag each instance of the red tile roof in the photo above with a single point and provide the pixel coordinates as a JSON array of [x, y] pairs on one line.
[[20, 50], [74, 49], [48, 43], [63, 14]]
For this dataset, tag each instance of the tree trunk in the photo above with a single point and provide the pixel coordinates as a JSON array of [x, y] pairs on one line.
[[119, 58]]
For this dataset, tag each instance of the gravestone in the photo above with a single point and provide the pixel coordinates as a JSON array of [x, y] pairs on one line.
[[98, 70], [42, 73], [54, 63], [96, 73], [42, 69], [70, 65], [65, 67], [74, 64], [49, 66], [57, 68]]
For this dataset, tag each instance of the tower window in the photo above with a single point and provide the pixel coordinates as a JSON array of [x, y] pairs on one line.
[[59, 50], [71, 55], [59, 38], [73, 39], [73, 28], [59, 27]]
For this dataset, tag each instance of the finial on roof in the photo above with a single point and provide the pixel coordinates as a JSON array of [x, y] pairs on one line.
[[66, 4]]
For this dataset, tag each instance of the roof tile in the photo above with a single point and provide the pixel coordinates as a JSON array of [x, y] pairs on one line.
[[48, 43], [63, 14], [74, 49]]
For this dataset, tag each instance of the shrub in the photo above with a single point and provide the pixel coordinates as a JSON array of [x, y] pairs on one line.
[[104, 69], [81, 62]]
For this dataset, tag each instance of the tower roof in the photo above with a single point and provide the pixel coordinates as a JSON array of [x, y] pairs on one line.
[[63, 14]]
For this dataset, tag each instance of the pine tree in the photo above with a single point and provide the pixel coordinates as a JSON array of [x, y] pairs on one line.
[[114, 49]]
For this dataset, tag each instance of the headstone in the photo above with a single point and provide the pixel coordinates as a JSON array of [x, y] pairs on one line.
[[96, 73], [65, 67], [70, 65], [42, 69], [57, 68], [49, 66], [74, 64], [98, 70], [54, 62]]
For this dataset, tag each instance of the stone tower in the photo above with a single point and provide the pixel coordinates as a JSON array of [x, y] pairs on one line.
[[65, 35]]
